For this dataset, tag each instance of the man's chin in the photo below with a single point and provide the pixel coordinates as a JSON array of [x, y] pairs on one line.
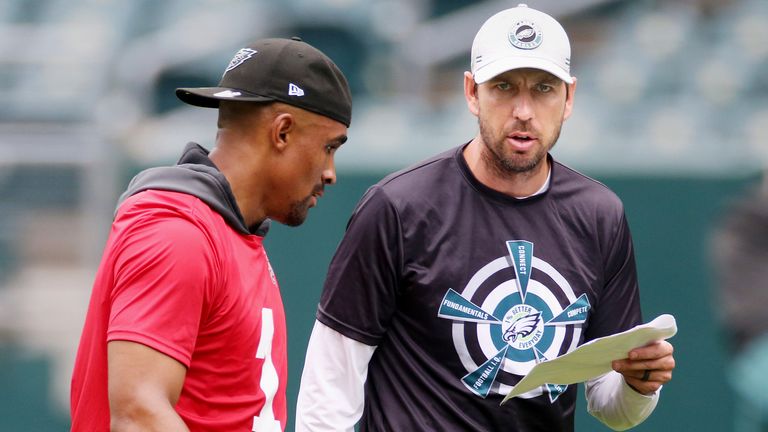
[[294, 220], [297, 214]]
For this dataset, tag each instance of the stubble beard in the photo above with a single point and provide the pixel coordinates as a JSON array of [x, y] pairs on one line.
[[493, 153], [298, 212]]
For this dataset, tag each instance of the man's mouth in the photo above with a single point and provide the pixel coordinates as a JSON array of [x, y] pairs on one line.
[[522, 140], [316, 194]]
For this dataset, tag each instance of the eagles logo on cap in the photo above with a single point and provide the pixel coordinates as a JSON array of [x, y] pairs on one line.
[[525, 35], [240, 57]]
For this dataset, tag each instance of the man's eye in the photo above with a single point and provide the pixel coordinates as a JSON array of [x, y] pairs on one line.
[[503, 86], [544, 88]]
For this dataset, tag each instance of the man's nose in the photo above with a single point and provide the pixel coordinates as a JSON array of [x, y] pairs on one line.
[[523, 107], [329, 173]]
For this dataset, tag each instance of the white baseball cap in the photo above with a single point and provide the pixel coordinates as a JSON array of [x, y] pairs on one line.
[[521, 37]]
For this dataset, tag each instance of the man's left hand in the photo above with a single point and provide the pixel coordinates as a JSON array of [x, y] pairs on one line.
[[647, 368]]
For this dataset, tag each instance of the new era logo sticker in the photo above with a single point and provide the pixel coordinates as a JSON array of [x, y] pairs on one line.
[[227, 93], [294, 90], [239, 58]]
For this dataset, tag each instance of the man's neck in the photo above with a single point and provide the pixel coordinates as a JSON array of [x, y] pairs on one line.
[[517, 185], [235, 166]]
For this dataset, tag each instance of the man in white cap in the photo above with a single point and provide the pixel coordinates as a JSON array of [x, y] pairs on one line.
[[457, 275]]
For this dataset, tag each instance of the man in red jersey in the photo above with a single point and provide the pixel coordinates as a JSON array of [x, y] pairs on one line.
[[185, 330]]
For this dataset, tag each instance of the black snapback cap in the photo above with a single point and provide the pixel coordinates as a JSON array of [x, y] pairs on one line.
[[284, 70]]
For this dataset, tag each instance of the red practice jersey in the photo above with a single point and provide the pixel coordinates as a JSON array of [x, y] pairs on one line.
[[177, 278]]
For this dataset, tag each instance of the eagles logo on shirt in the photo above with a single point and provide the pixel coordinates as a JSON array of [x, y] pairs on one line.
[[503, 326], [526, 329]]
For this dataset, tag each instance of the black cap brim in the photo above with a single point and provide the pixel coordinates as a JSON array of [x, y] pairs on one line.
[[209, 97]]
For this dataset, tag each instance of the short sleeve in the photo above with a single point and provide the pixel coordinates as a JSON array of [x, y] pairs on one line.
[[163, 272], [360, 292], [618, 307]]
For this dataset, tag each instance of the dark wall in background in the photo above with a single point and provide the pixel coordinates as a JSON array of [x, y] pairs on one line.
[[670, 219]]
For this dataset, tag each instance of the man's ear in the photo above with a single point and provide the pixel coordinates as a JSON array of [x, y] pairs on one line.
[[569, 100], [281, 127], [470, 93]]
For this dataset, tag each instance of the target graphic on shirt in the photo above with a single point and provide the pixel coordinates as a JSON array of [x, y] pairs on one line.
[[505, 321]]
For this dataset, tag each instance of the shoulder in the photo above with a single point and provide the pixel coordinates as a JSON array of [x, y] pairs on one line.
[[164, 217], [405, 191], [419, 181], [571, 185], [161, 235], [426, 168], [161, 204]]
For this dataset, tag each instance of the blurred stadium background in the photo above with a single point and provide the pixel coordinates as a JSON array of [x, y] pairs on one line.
[[671, 112]]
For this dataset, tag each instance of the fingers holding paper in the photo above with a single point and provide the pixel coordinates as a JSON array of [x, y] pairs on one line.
[[647, 368]]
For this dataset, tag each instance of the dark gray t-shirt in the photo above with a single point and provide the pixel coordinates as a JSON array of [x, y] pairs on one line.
[[463, 289]]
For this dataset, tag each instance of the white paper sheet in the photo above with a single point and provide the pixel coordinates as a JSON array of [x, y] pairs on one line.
[[594, 357]]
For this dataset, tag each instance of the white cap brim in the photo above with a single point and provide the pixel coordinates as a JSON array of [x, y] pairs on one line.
[[490, 70]]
